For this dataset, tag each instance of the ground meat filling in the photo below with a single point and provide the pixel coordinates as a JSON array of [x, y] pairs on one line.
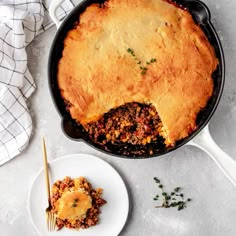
[[91, 218], [135, 127]]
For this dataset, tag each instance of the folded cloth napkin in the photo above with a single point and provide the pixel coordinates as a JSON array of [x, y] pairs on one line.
[[20, 22]]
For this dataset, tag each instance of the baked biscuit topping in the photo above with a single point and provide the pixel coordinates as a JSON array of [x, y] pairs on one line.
[[96, 72], [74, 205]]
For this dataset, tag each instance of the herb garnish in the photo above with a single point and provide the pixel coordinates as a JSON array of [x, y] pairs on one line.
[[143, 68], [74, 202], [174, 199], [151, 61]]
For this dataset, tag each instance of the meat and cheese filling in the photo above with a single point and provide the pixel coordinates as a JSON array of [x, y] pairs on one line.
[[134, 128]]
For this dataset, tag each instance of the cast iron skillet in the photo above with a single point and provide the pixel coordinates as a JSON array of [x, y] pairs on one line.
[[201, 15], [200, 138]]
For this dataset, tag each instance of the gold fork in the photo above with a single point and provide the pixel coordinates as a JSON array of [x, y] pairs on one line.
[[50, 216]]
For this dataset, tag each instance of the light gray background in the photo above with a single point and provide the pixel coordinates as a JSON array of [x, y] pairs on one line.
[[213, 209]]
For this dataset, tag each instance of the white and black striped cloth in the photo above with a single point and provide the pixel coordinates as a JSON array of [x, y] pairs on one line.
[[20, 22]]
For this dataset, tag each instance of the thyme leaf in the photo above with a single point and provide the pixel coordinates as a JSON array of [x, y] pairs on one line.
[[74, 202], [174, 199], [139, 62]]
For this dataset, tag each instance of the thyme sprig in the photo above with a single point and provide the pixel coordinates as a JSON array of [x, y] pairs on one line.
[[174, 199], [142, 68]]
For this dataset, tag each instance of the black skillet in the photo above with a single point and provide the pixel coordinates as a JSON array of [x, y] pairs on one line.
[[201, 15]]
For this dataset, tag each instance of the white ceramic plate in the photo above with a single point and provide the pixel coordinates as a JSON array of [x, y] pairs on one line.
[[99, 174]]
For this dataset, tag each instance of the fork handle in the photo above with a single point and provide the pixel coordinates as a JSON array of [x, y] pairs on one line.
[[46, 170]]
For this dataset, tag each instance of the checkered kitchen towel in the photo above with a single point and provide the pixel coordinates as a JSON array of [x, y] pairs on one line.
[[20, 22]]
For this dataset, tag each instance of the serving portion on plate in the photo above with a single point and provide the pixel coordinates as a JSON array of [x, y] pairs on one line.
[[76, 202], [136, 74]]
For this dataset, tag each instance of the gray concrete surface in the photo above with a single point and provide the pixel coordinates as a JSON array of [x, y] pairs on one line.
[[213, 209]]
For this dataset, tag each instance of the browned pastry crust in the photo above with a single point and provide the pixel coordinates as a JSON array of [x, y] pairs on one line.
[[96, 73]]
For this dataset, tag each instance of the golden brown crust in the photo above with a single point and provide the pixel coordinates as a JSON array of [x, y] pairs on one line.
[[71, 210], [96, 73]]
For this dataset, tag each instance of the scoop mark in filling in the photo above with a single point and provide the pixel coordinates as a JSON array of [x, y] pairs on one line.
[[134, 125]]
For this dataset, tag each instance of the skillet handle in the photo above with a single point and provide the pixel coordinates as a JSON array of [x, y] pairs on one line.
[[205, 142], [70, 130], [52, 11]]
